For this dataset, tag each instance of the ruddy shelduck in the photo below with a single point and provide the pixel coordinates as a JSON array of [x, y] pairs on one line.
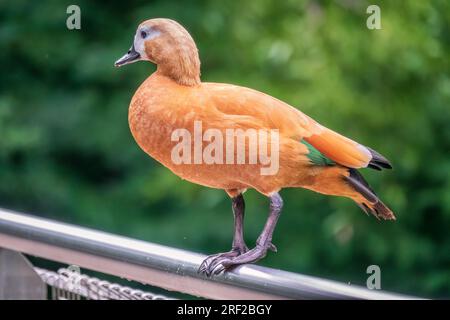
[[308, 154]]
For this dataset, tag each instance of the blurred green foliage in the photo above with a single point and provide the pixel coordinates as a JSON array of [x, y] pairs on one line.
[[66, 151]]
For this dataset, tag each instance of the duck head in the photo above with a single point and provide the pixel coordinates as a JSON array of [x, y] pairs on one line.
[[167, 44]]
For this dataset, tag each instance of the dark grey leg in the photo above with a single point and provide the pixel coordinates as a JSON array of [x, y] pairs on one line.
[[238, 206], [238, 246], [263, 243]]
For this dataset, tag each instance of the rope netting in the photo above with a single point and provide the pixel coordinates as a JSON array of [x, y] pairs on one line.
[[69, 285]]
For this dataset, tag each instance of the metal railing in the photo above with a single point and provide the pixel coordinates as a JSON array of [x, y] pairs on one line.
[[161, 266]]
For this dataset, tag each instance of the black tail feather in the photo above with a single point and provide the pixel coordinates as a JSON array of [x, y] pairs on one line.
[[360, 184], [378, 161], [372, 204]]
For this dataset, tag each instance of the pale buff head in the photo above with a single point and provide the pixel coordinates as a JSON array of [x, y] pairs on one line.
[[167, 44]]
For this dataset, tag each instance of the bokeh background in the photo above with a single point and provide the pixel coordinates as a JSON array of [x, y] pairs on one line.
[[66, 152]]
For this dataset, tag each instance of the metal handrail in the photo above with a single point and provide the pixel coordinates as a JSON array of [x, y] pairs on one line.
[[164, 267]]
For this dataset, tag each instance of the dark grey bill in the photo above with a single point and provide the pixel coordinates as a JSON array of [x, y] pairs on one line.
[[130, 57]]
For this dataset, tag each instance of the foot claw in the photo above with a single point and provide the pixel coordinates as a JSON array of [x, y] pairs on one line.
[[219, 268], [272, 247], [209, 265], [218, 263]]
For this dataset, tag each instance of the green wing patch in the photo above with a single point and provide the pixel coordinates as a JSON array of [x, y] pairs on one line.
[[316, 156]]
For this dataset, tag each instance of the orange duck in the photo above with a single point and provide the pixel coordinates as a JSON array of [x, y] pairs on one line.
[[173, 106]]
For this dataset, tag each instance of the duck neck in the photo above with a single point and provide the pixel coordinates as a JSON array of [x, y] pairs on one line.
[[181, 63]]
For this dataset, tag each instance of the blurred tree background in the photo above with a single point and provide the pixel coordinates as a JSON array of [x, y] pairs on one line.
[[66, 152]]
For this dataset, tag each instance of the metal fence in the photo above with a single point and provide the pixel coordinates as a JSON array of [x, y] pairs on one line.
[[155, 265]]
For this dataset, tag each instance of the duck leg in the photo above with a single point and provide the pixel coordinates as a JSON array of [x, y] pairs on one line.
[[238, 246], [263, 243]]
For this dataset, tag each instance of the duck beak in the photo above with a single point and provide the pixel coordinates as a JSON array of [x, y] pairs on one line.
[[130, 57]]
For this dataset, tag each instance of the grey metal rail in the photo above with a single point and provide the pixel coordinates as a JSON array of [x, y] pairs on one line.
[[161, 266]]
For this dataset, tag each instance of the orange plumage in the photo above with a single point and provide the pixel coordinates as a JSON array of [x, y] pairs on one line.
[[174, 97]]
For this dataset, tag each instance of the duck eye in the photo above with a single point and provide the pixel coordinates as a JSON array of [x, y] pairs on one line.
[[143, 34]]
